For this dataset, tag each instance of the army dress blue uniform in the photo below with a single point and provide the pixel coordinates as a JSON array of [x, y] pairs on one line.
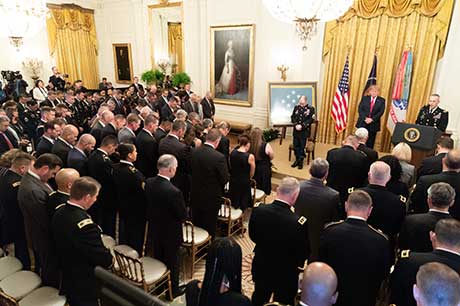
[[436, 117], [303, 115]]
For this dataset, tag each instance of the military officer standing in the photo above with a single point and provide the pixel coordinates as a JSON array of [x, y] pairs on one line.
[[433, 115], [79, 244], [31, 120], [282, 246], [302, 118]]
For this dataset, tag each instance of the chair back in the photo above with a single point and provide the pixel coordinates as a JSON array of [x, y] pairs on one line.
[[313, 131], [6, 300], [130, 268], [225, 210], [188, 232]]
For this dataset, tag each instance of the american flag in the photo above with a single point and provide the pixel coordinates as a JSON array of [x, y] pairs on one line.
[[339, 110]]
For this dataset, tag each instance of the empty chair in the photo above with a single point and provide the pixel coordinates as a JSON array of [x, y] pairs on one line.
[[43, 296], [230, 218], [196, 241], [257, 194], [108, 241], [20, 284], [9, 265]]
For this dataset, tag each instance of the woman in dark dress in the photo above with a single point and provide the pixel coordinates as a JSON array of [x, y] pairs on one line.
[[242, 167], [263, 154], [221, 285]]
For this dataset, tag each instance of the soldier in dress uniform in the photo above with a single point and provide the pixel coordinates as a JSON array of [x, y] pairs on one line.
[[129, 184], [31, 120], [64, 180], [282, 246], [446, 245], [302, 118], [433, 115], [79, 244]]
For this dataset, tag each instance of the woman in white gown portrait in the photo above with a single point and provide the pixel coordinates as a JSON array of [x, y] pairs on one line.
[[228, 79]]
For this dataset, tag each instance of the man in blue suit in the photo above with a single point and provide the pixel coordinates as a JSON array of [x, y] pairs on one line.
[[370, 110], [78, 155]]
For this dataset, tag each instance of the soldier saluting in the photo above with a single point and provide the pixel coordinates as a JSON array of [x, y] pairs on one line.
[[433, 115]]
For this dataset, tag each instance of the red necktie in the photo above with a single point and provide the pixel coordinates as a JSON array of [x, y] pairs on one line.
[[372, 106], [8, 142]]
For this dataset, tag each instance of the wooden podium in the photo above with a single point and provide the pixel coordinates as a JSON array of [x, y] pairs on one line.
[[422, 139]]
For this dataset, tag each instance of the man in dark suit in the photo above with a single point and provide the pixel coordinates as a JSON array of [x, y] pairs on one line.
[[116, 99], [446, 245], [162, 101], [433, 164], [136, 85], [357, 252], [64, 180], [450, 175], [191, 106], [278, 253], [166, 213], [224, 144], [209, 110], [100, 167], [319, 285], [415, 231], [78, 156], [65, 143], [127, 134], [147, 147], [171, 145], [129, 183], [347, 168], [7, 140], [79, 245], [370, 110], [12, 221], [167, 111], [163, 130], [318, 203], [45, 145], [32, 196], [106, 117], [209, 176], [57, 79], [362, 134], [433, 115]]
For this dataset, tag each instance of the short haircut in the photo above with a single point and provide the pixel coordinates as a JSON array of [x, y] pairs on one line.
[[133, 118], [319, 168], [124, 149], [79, 91], [380, 171], [446, 143], [359, 200], [150, 119], [207, 123], [435, 95], [48, 159], [50, 125], [45, 109], [109, 140], [351, 140], [22, 159], [438, 284], [172, 98], [448, 232], [166, 123], [441, 194], [224, 125], [4, 119], [402, 151], [362, 133], [178, 125], [288, 186], [119, 117], [452, 159], [166, 161], [213, 135], [193, 116], [84, 186], [181, 114], [243, 140]]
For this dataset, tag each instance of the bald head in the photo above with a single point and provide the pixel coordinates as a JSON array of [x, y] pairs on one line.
[[452, 160], [70, 134], [65, 178], [86, 143], [352, 141], [107, 116], [319, 285], [379, 173]]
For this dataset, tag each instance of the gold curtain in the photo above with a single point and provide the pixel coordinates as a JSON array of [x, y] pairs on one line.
[[72, 40], [175, 45], [387, 27]]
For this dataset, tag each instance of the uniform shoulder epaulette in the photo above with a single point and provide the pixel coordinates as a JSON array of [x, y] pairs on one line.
[[133, 170], [402, 199], [16, 184], [377, 231], [302, 220], [84, 223], [59, 206], [53, 192], [333, 223], [351, 189], [405, 253]]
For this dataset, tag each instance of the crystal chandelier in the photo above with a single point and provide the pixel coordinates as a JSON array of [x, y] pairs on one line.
[[306, 14], [22, 18]]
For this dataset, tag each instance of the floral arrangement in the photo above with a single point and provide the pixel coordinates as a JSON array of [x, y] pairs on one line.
[[34, 65]]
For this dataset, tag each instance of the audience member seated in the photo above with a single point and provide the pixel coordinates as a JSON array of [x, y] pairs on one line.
[[363, 135], [318, 203], [446, 246], [436, 285], [357, 252], [403, 152], [242, 167], [450, 175], [221, 285], [39, 92], [263, 154], [433, 164], [394, 184], [319, 285], [78, 156]]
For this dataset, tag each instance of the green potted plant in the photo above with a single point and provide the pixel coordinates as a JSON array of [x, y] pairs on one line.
[[153, 76], [180, 79], [271, 134]]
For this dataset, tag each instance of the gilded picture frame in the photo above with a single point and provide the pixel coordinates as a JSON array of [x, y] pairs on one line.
[[232, 64], [283, 96], [123, 63]]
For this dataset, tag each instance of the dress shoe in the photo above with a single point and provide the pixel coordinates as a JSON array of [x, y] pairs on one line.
[[295, 164], [180, 291], [300, 165]]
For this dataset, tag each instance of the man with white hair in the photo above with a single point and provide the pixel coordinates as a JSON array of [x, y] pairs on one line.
[[282, 245], [209, 110], [389, 209], [363, 135]]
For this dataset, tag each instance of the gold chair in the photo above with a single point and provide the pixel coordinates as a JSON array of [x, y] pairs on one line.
[[196, 241], [257, 194], [147, 273], [230, 218], [311, 142], [6, 300]]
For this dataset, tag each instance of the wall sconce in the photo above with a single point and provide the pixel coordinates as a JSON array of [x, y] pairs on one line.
[[283, 70]]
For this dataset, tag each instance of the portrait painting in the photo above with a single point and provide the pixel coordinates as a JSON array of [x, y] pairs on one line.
[[232, 64], [123, 63], [283, 96]]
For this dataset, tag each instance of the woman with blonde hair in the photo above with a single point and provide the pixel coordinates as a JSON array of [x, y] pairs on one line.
[[263, 153], [403, 152]]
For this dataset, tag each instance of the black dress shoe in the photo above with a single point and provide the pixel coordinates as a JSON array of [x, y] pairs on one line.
[[180, 291], [300, 165], [295, 164]]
